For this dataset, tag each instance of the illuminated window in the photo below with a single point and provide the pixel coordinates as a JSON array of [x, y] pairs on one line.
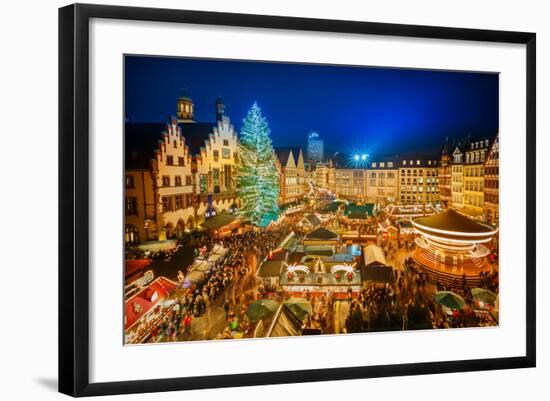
[[178, 200], [131, 206], [130, 181], [390, 164], [166, 203]]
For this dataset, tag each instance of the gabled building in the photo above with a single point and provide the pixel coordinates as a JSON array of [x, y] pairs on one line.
[[457, 177], [474, 181], [176, 172], [291, 166], [491, 188]]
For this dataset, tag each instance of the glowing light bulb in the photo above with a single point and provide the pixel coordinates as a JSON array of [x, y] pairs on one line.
[[363, 157], [356, 157]]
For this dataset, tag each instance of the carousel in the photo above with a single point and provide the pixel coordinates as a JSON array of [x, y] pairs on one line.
[[452, 247]]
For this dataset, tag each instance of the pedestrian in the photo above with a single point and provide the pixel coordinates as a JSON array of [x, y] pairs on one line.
[[226, 308], [187, 324]]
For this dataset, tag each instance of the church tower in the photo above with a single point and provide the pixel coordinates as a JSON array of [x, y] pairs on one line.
[[220, 108], [186, 112]]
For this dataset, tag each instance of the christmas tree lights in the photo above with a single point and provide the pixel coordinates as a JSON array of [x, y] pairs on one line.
[[257, 175]]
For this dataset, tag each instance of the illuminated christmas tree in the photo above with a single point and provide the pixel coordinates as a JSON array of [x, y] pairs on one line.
[[257, 176]]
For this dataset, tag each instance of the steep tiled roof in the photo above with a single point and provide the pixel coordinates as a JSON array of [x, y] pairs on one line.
[[196, 134], [283, 154], [140, 142], [142, 138]]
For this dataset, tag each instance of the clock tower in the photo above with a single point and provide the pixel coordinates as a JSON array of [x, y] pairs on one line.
[[186, 112]]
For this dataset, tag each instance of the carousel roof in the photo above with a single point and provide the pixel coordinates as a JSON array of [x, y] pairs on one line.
[[452, 221]]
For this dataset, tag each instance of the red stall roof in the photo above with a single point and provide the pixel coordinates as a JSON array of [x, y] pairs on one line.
[[133, 266], [145, 300]]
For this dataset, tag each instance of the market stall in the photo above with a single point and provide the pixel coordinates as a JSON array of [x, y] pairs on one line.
[[144, 308]]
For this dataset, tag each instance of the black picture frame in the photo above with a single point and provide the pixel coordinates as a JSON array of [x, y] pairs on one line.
[[74, 198]]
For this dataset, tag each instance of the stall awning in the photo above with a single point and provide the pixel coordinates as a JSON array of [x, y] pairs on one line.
[[284, 324], [377, 273], [217, 252], [311, 219], [219, 221], [321, 233], [199, 265], [134, 266], [373, 254], [145, 300], [270, 268], [359, 211]]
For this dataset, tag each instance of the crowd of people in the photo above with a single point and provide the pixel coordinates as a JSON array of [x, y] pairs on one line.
[[219, 284], [406, 302]]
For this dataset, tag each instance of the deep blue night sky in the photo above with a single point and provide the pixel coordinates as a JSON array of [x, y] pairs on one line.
[[354, 109]]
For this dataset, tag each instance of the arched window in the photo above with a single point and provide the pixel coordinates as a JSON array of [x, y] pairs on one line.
[[131, 234]]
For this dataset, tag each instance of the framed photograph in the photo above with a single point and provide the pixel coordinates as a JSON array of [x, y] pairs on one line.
[[250, 199]]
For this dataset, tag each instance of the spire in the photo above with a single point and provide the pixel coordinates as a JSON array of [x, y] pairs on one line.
[[445, 148], [220, 108]]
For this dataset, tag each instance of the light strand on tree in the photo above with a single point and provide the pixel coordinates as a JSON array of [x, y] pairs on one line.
[[257, 176]]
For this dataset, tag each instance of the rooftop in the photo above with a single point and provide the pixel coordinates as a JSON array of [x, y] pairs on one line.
[[352, 211], [321, 233], [142, 138], [219, 221], [452, 221]]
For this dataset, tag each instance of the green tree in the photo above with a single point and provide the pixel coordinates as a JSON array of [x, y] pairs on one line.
[[257, 176]]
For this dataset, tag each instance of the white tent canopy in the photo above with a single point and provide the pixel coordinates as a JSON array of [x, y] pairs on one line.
[[373, 254], [199, 265], [217, 252]]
